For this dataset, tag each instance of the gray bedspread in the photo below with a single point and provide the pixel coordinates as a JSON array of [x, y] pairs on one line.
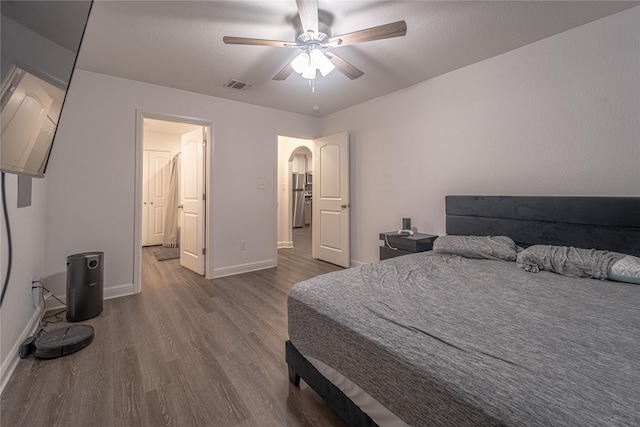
[[447, 341]]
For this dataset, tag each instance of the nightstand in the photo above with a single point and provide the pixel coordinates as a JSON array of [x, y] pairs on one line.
[[394, 244]]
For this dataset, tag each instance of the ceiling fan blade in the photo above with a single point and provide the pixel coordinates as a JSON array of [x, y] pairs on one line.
[[308, 11], [256, 42], [284, 73], [394, 29], [344, 67]]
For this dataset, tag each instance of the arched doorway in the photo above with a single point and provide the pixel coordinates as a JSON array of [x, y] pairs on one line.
[[295, 156]]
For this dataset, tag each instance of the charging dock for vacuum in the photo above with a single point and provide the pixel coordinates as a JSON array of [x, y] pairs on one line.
[[62, 342]]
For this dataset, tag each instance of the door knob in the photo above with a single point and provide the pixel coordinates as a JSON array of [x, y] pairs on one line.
[[180, 206], [345, 206]]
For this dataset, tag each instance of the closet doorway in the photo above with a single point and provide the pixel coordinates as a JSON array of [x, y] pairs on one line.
[[172, 191]]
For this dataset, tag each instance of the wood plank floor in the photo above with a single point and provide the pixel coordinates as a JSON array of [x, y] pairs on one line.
[[185, 352]]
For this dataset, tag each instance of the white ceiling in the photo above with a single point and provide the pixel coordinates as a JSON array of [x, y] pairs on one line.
[[179, 44]]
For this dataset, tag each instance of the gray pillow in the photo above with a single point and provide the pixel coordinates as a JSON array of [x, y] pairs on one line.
[[482, 247], [567, 260]]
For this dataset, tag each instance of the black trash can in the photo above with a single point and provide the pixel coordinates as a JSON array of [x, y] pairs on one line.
[[85, 285]]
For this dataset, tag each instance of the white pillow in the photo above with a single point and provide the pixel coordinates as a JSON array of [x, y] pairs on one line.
[[626, 269]]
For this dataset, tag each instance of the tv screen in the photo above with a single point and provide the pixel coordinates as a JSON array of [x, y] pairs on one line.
[[38, 57]]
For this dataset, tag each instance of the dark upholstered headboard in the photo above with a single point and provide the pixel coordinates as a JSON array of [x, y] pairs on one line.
[[611, 223]]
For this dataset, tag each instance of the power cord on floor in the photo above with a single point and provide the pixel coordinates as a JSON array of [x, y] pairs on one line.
[[38, 284], [54, 315]]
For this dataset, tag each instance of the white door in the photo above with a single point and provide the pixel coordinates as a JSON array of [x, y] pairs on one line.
[[192, 185], [331, 219], [157, 175]]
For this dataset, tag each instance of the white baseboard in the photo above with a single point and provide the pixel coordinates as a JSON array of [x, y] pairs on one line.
[[111, 292], [255, 266], [243, 268], [10, 363], [119, 291], [285, 245], [53, 303]]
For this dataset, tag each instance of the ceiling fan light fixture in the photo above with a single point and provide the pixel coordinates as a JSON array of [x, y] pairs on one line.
[[300, 63], [308, 63], [320, 61], [309, 73], [313, 38]]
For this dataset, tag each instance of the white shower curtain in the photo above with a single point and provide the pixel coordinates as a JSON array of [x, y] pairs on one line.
[[171, 218]]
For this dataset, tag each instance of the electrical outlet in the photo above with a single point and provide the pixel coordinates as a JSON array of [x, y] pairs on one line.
[[261, 184], [243, 245]]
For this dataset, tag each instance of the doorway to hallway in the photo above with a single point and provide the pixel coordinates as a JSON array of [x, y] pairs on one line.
[[295, 192], [172, 186], [325, 163]]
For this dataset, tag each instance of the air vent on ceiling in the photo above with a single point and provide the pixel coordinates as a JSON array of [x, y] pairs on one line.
[[236, 84]]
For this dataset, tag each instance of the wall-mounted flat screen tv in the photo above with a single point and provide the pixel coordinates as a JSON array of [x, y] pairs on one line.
[[35, 81]]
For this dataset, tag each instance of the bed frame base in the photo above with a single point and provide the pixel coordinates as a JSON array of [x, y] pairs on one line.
[[299, 367], [293, 377]]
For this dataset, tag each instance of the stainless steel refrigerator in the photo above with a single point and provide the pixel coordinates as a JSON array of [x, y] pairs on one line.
[[298, 199]]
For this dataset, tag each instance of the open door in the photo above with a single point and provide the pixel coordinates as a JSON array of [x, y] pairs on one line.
[[192, 252], [331, 201]]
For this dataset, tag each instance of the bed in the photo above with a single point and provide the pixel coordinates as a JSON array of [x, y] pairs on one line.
[[437, 338]]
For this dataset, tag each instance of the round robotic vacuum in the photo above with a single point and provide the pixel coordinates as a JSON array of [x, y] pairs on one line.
[[63, 341]]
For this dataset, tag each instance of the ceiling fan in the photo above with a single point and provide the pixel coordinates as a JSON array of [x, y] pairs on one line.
[[314, 38]]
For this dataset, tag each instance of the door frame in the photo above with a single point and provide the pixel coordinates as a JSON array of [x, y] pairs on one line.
[[137, 202]]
